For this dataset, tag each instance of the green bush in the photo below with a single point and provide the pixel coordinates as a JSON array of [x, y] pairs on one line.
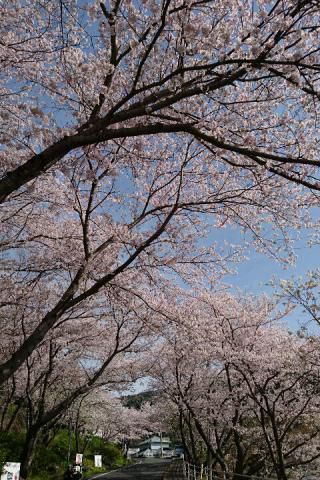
[[47, 460], [91, 469], [44, 476], [2, 459], [50, 462], [11, 444], [112, 455]]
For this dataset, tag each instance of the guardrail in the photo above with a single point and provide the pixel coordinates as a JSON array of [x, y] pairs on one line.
[[196, 472], [182, 470]]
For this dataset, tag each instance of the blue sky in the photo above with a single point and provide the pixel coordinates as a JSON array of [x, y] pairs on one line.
[[255, 274]]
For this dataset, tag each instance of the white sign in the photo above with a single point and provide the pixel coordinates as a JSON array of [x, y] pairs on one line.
[[11, 471], [79, 458], [98, 461]]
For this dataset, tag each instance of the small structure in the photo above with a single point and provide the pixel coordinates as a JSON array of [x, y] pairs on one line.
[[132, 451], [154, 446]]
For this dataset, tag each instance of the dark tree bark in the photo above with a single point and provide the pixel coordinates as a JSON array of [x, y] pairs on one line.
[[28, 451]]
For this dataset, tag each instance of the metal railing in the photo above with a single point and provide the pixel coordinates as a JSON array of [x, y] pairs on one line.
[[202, 472], [196, 472]]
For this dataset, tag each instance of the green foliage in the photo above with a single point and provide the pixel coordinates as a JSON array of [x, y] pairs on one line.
[[46, 476], [50, 459], [11, 444], [91, 469], [2, 459], [112, 455], [47, 460]]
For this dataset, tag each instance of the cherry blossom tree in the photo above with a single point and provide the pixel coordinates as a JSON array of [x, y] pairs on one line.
[[249, 389], [130, 129], [92, 352], [103, 414], [286, 397], [99, 66], [303, 293]]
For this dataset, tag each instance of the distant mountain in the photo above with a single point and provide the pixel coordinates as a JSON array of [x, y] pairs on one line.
[[138, 399]]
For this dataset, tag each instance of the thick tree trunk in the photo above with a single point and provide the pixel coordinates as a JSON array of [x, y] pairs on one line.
[[183, 437], [280, 468], [194, 458], [28, 452], [240, 458]]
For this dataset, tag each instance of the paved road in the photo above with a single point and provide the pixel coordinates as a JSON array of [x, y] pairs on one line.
[[149, 469]]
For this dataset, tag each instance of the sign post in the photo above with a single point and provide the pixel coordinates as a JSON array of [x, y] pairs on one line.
[[79, 457], [98, 461], [11, 471]]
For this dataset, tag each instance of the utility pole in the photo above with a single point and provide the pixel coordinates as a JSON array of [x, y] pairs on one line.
[[161, 449], [69, 443]]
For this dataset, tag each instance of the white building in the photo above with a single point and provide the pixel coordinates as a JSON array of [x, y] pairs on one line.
[[155, 446], [132, 451]]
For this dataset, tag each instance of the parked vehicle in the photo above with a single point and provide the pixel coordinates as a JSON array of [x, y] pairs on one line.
[[167, 453], [145, 454]]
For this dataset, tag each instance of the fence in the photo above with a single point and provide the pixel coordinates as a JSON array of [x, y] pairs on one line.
[[194, 472], [181, 470]]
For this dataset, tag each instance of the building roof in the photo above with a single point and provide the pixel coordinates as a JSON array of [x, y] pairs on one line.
[[154, 439]]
